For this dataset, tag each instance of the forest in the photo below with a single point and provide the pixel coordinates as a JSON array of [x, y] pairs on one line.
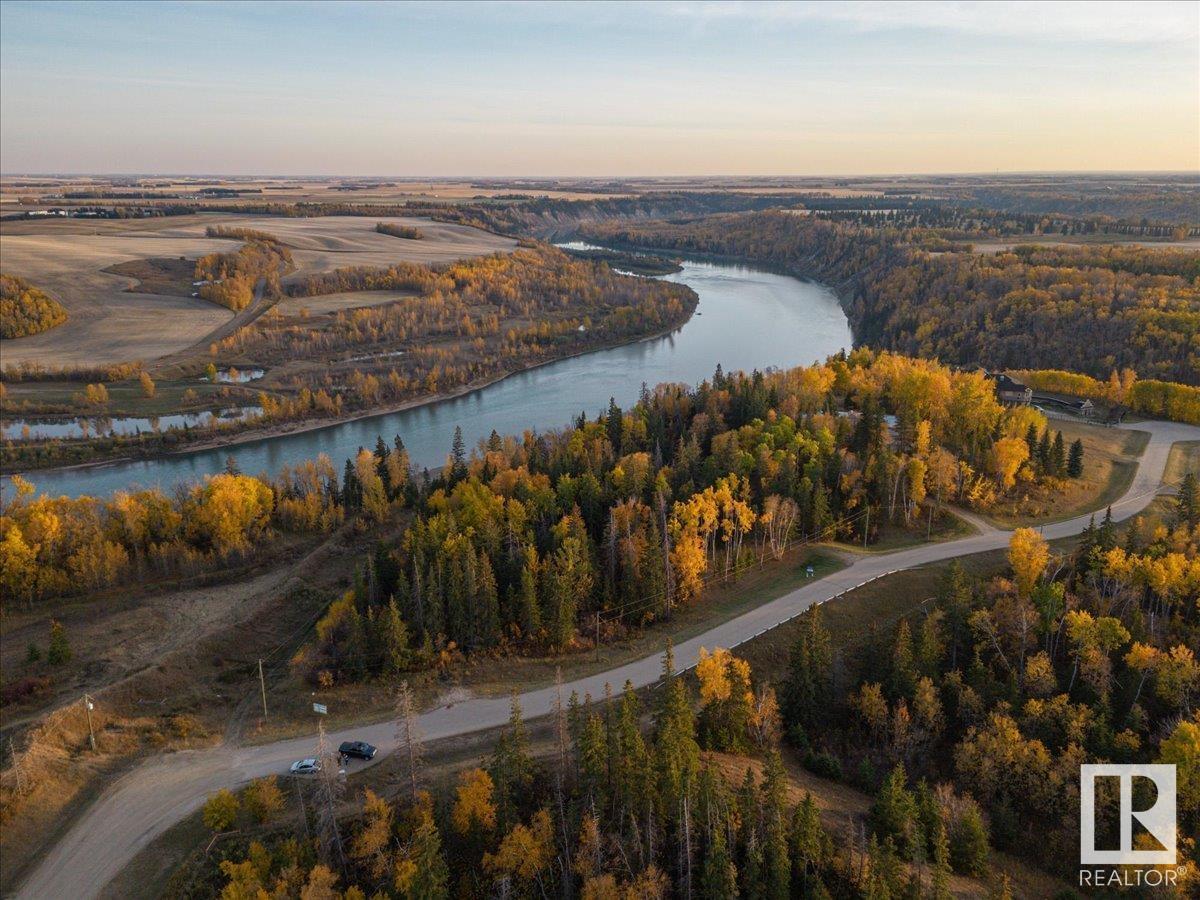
[[230, 278], [966, 723], [54, 547], [916, 291], [468, 321], [407, 232], [1003, 688], [26, 309], [531, 545]]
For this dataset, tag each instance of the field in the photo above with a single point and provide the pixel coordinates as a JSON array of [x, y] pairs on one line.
[[334, 242], [109, 322], [331, 303], [112, 320]]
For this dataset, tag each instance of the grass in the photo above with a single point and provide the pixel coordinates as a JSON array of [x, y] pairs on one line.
[[945, 526], [125, 397], [1184, 458], [1109, 463]]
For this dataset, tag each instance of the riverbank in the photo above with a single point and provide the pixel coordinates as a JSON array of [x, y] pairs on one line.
[[302, 426], [745, 319]]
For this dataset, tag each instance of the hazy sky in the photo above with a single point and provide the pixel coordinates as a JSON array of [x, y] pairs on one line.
[[598, 89]]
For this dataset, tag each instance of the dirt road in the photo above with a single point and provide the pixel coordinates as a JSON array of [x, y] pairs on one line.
[[157, 794]]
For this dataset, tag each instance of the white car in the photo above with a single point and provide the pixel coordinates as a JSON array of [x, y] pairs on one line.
[[306, 766]]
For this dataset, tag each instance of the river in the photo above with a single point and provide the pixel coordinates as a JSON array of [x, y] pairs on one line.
[[746, 319]]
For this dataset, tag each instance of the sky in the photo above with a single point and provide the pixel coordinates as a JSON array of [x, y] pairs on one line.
[[595, 89]]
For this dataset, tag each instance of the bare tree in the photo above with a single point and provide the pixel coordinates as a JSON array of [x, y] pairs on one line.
[[332, 786], [408, 736]]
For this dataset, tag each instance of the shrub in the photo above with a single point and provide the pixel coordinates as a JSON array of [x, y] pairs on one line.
[[263, 799], [220, 810], [59, 651]]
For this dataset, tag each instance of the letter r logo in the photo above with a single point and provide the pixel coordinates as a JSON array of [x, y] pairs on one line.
[[1158, 820]]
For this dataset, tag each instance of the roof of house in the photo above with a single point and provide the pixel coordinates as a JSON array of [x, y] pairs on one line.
[[1006, 384]]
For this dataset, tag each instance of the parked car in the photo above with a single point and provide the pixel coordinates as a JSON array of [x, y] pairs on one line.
[[308, 766], [357, 750]]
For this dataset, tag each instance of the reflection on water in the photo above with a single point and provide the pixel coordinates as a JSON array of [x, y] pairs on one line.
[[236, 376], [748, 319], [99, 426]]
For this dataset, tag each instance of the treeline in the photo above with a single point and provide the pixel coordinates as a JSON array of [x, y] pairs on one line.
[[59, 546], [400, 231], [403, 276], [618, 810], [230, 278], [238, 233], [1086, 309], [530, 545], [25, 309], [1005, 688], [1165, 399], [473, 320]]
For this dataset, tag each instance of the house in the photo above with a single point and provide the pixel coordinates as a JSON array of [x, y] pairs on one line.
[[1008, 390]]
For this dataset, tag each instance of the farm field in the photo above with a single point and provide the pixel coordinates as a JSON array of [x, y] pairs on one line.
[[331, 303], [113, 322], [109, 322], [333, 242]]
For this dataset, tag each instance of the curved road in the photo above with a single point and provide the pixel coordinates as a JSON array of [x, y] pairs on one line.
[[157, 794]]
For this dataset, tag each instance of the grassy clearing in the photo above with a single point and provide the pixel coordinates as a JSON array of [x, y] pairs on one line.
[[125, 397], [944, 526], [1184, 458], [1109, 463]]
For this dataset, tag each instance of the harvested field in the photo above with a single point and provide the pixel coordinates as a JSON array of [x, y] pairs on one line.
[[331, 303], [334, 242], [112, 320], [108, 322]]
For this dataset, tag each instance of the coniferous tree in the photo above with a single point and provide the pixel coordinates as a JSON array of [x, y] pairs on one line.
[[808, 689], [719, 878], [1058, 456], [1075, 459], [458, 456], [1187, 503]]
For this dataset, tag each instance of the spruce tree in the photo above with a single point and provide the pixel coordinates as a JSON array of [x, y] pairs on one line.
[[940, 886], [1187, 503], [718, 881], [458, 456], [809, 682], [904, 665], [487, 604], [1043, 453], [893, 814], [58, 652], [1058, 456], [1075, 459]]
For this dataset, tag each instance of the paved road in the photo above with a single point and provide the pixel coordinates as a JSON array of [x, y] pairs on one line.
[[159, 793]]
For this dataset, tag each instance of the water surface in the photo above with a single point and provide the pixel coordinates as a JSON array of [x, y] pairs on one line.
[[746, 319]]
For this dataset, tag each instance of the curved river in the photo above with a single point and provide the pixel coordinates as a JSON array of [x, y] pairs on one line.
[[746, 319]]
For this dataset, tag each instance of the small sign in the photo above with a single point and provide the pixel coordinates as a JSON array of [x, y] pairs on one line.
[[320, 708]]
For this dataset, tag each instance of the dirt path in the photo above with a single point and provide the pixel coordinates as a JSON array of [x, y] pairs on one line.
[[154, 796]]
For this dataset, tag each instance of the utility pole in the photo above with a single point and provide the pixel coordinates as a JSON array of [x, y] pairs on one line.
[[87, 705], [867, 525], [929, 526], [262, 683], [597, 635]]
